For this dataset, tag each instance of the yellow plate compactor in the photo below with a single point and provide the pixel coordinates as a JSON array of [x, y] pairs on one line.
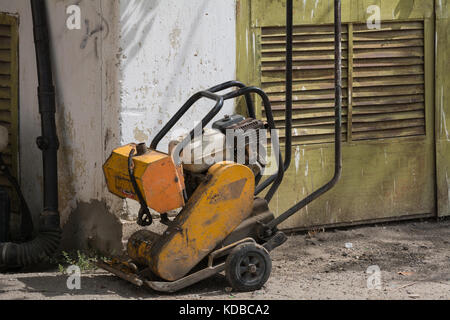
[[221, 224]]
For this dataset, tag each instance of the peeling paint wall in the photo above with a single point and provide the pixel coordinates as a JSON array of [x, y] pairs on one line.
[[442, 99], [86, 79], [386, 176], [169, 51]]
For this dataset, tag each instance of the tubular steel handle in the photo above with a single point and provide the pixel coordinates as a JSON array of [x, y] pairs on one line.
[[338, 117], [201, 126], [211, 94], [220, 99], [248, 97], [276, 179], [182, 112]]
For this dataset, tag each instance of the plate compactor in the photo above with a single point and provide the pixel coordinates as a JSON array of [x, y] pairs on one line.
[[223, 225]]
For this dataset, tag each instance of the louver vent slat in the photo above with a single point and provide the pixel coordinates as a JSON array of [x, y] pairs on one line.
[[387, 88], [8, 94], [5, 83], [313, 87]]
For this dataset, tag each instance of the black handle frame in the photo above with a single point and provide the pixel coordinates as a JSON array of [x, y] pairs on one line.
[[212, 94], [275, 180], [270, 228]]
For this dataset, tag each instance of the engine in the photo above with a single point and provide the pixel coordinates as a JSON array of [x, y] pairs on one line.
[[233, 138]]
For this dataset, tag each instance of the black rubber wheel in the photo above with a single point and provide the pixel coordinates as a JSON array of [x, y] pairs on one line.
[[248, 267]]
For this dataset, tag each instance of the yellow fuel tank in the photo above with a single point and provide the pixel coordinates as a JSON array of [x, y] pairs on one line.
[[161, 182]]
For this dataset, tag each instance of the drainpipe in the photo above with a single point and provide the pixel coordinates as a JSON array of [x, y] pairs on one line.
[[49, 234], [289, 87]]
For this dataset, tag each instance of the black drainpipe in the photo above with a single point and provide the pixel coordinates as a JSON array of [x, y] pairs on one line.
[[49, 236]]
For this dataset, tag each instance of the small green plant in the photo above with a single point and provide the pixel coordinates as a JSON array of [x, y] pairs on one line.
[[86, 261]]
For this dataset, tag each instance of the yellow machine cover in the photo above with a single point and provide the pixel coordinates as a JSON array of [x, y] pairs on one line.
[[217, 208]]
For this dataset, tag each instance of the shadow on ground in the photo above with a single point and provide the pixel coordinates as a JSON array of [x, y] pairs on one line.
[[55, 286]]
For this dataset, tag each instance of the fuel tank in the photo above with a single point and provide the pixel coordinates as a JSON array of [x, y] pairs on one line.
[[161, 182]]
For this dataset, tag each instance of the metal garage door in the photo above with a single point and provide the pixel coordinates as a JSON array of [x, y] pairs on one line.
[[389, 157]]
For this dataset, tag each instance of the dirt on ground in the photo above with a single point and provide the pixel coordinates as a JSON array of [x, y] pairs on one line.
[[413, 259]]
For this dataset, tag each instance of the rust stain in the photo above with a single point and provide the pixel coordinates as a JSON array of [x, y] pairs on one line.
[[231, 191], [175, 38]]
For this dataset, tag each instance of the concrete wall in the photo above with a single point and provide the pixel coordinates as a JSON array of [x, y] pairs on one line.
[[118, 80], [169, 51], [86, 80]]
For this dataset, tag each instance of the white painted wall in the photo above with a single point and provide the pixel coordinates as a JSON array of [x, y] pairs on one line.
[[169, 51]]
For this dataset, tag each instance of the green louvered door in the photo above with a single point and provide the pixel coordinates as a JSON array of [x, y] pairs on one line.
[[388, 106]]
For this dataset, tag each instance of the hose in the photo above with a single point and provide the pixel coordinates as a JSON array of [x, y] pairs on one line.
[[13, 255], [47, 241]]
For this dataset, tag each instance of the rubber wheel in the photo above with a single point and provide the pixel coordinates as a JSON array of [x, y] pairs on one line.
[[248, 267]]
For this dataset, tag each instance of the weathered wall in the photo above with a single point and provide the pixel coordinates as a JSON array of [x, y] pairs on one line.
[[170, 50], [384, 178], [123, 75], [86, 79], [118, 80], [442, 91]]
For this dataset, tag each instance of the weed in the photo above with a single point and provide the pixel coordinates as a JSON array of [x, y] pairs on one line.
[[315, 232], [86, 261]]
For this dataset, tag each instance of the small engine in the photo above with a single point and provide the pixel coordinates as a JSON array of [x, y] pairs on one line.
[[233, 138]]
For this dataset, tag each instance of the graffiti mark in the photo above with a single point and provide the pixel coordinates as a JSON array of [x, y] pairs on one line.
[[102, 28]]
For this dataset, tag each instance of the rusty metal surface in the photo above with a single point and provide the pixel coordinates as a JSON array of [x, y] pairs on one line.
[[139, 246], [383, 75], [171, 287], [211, 214], [134, 279], [160, 286]]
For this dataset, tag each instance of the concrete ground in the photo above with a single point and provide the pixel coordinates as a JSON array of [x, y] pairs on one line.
[[413, 259]]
